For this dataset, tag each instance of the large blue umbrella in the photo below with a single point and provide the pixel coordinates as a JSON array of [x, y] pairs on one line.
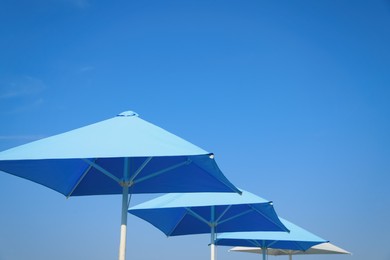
[[121, 155], [297, 239], [200, 213]]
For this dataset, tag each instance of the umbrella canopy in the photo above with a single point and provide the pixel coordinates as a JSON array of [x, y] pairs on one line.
[[324, 248], [199, 213], [297, 239], [93, 160], [121, 155]]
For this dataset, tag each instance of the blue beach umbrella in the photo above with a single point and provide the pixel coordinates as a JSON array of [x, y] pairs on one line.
[[122, 155], [202, 213], [297, 239]]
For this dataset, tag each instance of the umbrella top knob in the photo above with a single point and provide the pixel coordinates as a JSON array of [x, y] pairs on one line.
[[128, 113]]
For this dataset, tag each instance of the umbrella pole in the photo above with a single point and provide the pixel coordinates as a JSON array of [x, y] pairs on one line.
[[122, 245], [290, 256], [264, 252], [212, 243], [125, 206]]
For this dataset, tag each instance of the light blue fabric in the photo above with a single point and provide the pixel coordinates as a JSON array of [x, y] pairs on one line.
[[297, 239], [125, 135], [157, 161], [191, 213]]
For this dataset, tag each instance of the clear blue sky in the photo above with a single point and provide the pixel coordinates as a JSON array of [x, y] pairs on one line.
[[291, 96]]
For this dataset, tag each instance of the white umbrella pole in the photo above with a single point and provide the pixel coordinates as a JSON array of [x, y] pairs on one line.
[[290, 256], [125, 206], [212, 243], [122, 245], [212, 246]]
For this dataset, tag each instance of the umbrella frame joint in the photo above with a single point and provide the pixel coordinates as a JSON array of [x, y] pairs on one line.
[[126, 184]]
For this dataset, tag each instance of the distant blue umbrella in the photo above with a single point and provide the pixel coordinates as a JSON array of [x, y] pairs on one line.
[[297, 239], [200, 213], [121, 155]]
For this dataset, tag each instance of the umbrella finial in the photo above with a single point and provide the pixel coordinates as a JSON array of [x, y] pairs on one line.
[[128, 113]]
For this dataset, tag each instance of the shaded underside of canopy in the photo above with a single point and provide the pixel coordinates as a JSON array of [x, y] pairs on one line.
[[124, 150]]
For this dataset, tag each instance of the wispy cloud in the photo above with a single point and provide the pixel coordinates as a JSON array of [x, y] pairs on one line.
[[27, 106], [80, 3], [21, 87], [21, 94], [86, 68]]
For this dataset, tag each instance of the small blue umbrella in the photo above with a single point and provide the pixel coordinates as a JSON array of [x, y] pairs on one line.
[[297, 239], [201, 213], [121, 155]]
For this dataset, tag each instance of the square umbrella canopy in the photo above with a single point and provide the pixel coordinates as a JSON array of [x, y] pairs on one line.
[[121, 155], [199, 213], [297, 239]]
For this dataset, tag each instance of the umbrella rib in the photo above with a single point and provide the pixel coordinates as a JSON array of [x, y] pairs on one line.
[[177, 224], [286, 251], [265, 216], [301, 248], [102, 170], [188, 161], [272, 243], [141, 168], [236, 216], [194, 214], [255, 243], [78, 181], [223, 213]]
